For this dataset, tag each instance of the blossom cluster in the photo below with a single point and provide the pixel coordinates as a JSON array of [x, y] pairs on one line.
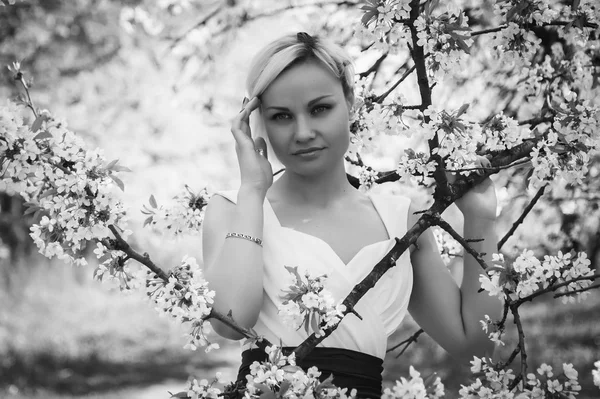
[[596, 374], [502, 133], [187, 298], [445, 39], [448, 246], [372, 118], [494, 329], [415, 387], [496, 383], [115, 267], [565, 150], [306, 302], [417, 167], [203, 389], [516, 43], [381, 24], [185, 216], [68, 187], [527, 275], [280, 374]]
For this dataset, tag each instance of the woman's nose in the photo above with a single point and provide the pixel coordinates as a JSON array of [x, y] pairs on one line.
[[304, 129]]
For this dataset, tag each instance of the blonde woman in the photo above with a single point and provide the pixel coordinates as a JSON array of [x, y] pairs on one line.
[[301, 94]]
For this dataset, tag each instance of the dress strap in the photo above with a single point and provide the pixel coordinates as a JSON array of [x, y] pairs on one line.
[[231, 195], [269, 214], [394, 212]]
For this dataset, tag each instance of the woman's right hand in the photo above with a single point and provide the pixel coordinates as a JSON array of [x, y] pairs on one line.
[[255, 169]]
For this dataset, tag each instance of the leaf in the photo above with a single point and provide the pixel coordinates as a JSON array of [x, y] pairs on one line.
[[111, 164], [294, 271], [182, 394], [43, 135], [283, 388], [147, 221], [48, 193], [119, 168], [462, 110], [31, 210], [371, 12], [266, 391], [314, 322], [575, 5], [37, 124], [118, 182], [153, 201], [515, 10], [327, 383]]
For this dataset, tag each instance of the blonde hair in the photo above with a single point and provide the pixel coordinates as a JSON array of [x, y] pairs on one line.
[[290, 50]]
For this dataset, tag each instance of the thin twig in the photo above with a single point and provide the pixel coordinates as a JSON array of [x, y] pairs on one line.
[[406, 74], [197, 25], [482, 168], [21, 78], [407, 342], [521, 218], [144, 259], [375, 67], [554, 287], [437, 220], [489, 30], [578, 290], [536, 121], [522, 350], [552, 23]]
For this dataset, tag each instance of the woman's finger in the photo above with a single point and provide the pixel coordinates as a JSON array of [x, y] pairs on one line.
[[260, 145], [242, 120]]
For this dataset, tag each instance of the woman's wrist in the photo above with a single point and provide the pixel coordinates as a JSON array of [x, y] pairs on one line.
[[252, 190]]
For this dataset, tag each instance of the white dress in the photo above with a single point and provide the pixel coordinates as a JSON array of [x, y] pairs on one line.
[[382, 308]]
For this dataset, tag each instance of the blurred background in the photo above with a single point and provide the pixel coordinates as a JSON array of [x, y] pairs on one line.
[[154, 84]]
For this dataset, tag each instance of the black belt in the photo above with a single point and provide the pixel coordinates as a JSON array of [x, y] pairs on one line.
[[351, 369]]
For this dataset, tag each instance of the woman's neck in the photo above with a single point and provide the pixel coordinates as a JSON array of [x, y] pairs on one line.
[[318, 191]]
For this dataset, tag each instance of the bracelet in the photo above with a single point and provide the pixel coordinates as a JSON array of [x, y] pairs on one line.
[[245, 237]]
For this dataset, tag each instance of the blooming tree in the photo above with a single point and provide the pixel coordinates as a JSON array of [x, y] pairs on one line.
[[546, 52]]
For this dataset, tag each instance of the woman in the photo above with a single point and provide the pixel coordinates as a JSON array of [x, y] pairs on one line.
[[301, 89]]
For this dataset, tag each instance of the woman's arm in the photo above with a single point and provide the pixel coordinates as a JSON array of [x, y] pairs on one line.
[[234, 266], [448, 313]]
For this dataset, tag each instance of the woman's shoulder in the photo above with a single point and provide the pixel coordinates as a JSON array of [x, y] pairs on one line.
[[219, 208]]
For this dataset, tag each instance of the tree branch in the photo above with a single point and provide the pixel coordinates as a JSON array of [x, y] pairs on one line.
[[526, 211], [554, 287], [552, 23], [584, 289], [522, 350], [406, 74], [437, 220], [197, 25], [407, 342], [375, 67], [145, 260]]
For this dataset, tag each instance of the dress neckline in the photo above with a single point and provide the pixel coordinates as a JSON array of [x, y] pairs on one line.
[[325, 244]]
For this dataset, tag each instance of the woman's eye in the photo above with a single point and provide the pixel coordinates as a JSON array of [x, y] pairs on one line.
[[280, 116], [320, 108]]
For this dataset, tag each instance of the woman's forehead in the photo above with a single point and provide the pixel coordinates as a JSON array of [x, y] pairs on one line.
[[303, 82]]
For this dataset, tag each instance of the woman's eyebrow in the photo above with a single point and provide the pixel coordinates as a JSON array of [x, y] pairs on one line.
[[310, 103]]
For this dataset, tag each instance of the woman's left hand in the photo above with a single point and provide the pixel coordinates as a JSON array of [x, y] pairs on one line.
[[480, 201]]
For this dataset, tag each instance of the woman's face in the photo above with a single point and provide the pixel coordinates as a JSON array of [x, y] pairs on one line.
[[306, 118]]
